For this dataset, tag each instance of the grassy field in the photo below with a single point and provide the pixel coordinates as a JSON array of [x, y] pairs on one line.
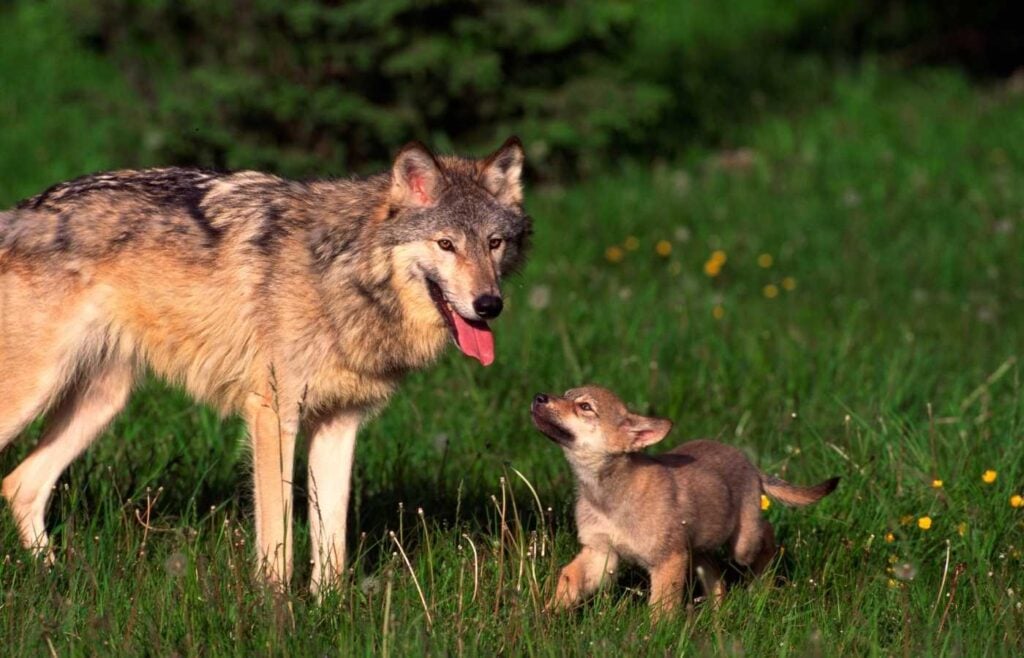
[[860, 318]]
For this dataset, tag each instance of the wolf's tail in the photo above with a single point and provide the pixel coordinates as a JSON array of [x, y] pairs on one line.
[[794, 496]]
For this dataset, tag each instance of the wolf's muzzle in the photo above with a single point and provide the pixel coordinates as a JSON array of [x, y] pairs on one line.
[[488, 306]]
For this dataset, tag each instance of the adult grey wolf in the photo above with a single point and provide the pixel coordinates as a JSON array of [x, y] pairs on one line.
[[668, 513], [296, 304]]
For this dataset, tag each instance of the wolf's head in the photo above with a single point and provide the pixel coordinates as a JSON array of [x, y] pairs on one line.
[[457, 225], [591, 421]]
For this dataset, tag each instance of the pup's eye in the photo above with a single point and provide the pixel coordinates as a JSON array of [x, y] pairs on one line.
[[446, 244], [495, 243], [585, 406]]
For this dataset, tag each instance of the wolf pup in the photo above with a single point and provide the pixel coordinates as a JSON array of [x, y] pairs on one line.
[[667, 513], [300, 305]]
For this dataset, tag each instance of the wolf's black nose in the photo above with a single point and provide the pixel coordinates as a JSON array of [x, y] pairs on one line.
[[487, 306], [540, 398]]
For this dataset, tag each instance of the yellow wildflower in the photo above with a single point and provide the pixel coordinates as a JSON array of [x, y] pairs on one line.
[[988, 477], [889, 537], [765, 260], [719, 256], [906, 519], [771, 291], [664, 248], [1016, 501], [712, 268], [789, 283], [718, 312], [937, 483], [631, 243], [765, 502], [924, 523], [893, 583], [961, 528], [614, 254]]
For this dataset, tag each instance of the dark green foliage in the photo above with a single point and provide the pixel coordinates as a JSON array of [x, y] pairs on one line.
[[307, 87]]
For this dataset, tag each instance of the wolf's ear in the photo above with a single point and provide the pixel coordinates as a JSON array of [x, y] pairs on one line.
[[415, 177], [643, 431], [501, 173]]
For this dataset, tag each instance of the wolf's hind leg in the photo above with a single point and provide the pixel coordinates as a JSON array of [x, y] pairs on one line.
[[710, 577], [70, 429], [27, 386], [768, 549]]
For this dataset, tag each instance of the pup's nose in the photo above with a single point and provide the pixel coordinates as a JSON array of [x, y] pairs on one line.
[[540, 398], [488, 306]]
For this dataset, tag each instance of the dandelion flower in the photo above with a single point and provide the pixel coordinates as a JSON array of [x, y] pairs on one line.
[[924, 523], [1016, 500], [540, 297], [893, 583], [765, 260], [988, 477], [961, 528], [890, 538], [631, 243], [905, 571], [718, 312], [614, 254], [937, 483], [663, 248], [765, 502], [789, 283], [176, 564], [770, 291], [712, 268], [719, 256]]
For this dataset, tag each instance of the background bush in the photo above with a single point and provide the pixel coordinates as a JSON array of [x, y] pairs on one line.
[[304, 86]]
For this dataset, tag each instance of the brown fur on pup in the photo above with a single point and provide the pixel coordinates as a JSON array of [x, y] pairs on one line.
[[668, 513]]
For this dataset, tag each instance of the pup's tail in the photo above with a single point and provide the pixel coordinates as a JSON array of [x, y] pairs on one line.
[[794, 496]]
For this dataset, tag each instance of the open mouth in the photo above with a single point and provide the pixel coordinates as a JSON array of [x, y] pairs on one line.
[[473, 337], [551, 429]]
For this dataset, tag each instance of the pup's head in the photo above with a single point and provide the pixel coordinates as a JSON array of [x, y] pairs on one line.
[[457, 226], [593, 420]]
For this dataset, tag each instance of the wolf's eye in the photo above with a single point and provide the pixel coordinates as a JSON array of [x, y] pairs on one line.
[[585, 406], [446, 244], [495, 243]]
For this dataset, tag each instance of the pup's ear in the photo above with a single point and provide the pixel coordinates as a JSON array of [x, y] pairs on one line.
[[643, 431], [415, 177], [501, 173]]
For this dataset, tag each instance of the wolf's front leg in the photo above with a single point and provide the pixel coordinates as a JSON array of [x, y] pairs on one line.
[[272, 428], [588, 571], [667, 581], [331, 449]]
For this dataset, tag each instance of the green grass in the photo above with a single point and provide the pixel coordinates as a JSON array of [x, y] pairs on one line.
[[897, 209]]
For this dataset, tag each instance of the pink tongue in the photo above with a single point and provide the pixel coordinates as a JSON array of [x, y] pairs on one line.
[[474, 338]]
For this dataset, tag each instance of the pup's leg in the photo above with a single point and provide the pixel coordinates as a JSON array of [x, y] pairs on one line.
[[273, 423], [331, 449], [73, 426], [768, 549], [710, 578], [583, 576], [746, 544], [667, 580]]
